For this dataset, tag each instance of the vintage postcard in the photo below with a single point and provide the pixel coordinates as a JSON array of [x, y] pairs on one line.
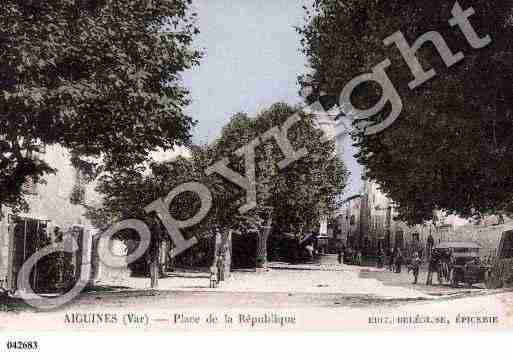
[[270, 165]]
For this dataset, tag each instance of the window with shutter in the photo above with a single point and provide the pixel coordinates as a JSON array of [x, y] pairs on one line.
[[30, 186]]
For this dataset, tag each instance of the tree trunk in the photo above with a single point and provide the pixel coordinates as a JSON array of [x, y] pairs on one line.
[[228, 255], [223, 253], [261, 255], [155, 262], [154, 274]]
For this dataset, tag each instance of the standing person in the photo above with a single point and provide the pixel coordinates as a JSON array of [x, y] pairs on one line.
[[359, 257], [381, 258], [447, 264], [430, 242], [350, 256], [451, 256], [415, 266], [398, 261], [443, 268], [391, 256], [220, 266], [214, 277], [339, 254], [434, 262], [365, 250]]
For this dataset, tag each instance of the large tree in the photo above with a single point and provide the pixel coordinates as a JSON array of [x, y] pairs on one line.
[[451, 147], [98, 77], [291, 199]]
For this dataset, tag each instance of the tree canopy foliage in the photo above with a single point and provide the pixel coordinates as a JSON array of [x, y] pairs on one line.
[[101, 78], [451, 147], [298, 194]]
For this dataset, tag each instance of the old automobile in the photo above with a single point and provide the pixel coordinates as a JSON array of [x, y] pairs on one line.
[[461, 263]]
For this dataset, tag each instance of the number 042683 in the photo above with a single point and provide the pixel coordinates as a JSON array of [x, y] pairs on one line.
[[21, 345]]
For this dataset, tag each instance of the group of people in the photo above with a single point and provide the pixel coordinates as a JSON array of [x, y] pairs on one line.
[[394, 259], [217, 270], [439, 261]]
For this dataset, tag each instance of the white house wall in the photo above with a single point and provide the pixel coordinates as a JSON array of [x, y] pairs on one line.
[[51, 203]]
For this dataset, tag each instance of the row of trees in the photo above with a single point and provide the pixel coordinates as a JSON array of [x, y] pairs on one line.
[[451, 148], [101, 79], [290, 200]]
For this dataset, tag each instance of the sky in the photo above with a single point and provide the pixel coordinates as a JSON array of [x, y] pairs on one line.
[[252, 60]]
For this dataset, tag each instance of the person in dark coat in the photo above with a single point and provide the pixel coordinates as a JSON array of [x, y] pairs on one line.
[[220, 268], [398, 261], [434, 262], [391, 256], [381, 258]]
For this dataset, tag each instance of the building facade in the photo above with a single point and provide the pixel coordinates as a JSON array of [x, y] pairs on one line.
[[347, 222], [55, 208], [367, 221]]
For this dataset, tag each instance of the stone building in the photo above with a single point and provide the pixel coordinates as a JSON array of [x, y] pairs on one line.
[[366, 221], [383, 231], [366, 218], [55, 207], [347, 221]]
